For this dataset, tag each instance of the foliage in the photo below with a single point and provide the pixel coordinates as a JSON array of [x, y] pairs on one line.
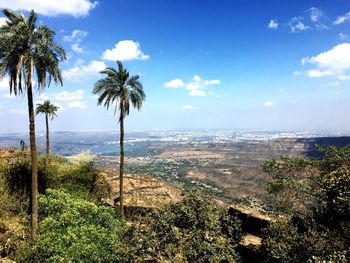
[[335, 257], [73, 230], [28, 51], [78, 176], [26, 47], [17, 177], [294, 177], [118, 89], [193, 230], [336, 189], [317, 191], [318, 186], [286, 241], [47, 108]]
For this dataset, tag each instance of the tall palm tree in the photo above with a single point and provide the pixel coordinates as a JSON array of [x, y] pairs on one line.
[[119, 90], [28, 51], [50, 111]]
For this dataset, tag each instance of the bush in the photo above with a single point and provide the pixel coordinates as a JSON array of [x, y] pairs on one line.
[[300, 241], [316, 189], [336, 190], [18, 174], [193, 230], [79, 177], [73, 231]]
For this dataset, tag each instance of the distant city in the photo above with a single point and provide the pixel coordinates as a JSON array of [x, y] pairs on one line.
[[105, 142]]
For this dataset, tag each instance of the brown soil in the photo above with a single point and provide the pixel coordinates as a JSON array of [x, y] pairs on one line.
[[9, 154], [143, 191], [190, 154]]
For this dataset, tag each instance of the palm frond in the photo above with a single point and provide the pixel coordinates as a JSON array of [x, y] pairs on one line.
[[120, 90]]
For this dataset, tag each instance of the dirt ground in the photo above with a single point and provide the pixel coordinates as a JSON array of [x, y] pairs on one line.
[[143, 191]]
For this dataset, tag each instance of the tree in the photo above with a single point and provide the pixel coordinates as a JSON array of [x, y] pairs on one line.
[[28, 50], [119, 90], [50, 111]]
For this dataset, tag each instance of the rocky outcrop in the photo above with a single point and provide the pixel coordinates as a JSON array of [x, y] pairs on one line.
[[253, 223]]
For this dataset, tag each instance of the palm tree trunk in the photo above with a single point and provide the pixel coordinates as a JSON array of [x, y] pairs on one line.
[[34, 189], [47, 137], [121, 167]]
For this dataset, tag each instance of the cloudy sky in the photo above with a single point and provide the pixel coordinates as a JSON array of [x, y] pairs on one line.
[[266, 65]]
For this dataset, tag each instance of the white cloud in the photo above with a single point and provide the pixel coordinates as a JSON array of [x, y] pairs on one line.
[[125, 50], [342, 36], [197, 93], [211, 82], [2, 21], [76, 8], [333, 62], [196, 86], [77, 73], [273, 24], [70, 96], [174, 84], [344, 77], [0, 107], [316, 73], [342, 19], [18, 111], [269, 104], [188, 107], [333, 84], [77, 104], [76, 36], [78, 49], [296, 24], [321, 26], [315, 14]]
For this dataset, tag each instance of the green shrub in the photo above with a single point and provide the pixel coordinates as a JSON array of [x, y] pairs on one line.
[[193, 230], [317, 189], [17, 177], [101, 188], [79, 177], [73, 230], [336, 190], [284, 243], [335, 257]]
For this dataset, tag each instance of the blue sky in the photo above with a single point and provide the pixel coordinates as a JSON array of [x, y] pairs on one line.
[[264, 65]]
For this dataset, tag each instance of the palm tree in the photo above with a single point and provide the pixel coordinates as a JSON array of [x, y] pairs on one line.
[[27, 51], [50, 111], [119, 90]]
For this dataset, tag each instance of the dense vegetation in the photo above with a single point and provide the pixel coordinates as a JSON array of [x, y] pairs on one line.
[[69, 189], [76, 227], [194, 230], [72, 230], [315, 193]]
